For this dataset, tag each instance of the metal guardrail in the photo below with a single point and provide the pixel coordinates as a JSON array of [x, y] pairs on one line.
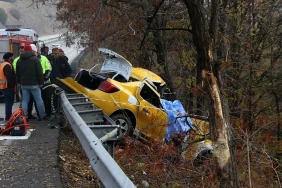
[[52, 39], [75, 63], [105, 167]]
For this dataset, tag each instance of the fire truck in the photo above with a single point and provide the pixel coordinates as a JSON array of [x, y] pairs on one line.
[[11, 39]]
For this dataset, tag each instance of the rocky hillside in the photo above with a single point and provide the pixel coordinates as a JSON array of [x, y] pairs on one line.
[[27, 14]]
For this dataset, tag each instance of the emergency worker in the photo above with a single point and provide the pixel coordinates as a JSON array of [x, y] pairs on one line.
[[48, 90], [45, 51], [46, 70], [8, 83], [31, 101], [21, 50], [17, 58], [60, 66], [50, 99], [46, 67], [30, 77]]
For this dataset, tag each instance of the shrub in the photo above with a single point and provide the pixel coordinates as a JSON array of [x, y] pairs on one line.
[[15, 13], [3, 16]]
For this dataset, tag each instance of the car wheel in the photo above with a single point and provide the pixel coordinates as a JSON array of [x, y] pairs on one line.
[[125, 124]]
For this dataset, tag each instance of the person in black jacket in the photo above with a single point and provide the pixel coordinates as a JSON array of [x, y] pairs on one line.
[[60, 66], [62, 54], [8, 83], [30, 77]]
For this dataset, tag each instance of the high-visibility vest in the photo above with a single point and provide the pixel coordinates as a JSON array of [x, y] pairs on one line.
[[3, 79], [15, 63], [45, 64]]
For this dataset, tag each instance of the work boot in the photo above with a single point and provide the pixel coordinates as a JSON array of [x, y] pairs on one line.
[[43, 119], [31, 117]]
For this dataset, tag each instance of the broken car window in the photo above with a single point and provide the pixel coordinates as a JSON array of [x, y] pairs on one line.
[[150, 96]]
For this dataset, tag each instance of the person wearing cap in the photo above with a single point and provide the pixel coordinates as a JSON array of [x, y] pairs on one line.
[[8, 83], [30, 77], [46, 69], [31, 101]]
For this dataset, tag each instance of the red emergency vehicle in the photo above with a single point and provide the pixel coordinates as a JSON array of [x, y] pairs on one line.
[[12, 39]]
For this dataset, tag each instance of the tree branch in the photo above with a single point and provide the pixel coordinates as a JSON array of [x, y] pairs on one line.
[[172, 29], [150, 22]]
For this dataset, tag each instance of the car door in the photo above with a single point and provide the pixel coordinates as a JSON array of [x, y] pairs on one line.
[[151, 119]]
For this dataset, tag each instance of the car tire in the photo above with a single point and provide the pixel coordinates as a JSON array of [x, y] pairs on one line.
[[125, 124]]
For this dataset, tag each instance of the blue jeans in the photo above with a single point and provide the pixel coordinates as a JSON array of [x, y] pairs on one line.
[[9, 95], [36, 93]]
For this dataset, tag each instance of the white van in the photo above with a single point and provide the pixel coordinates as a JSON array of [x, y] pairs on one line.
[[55, 46], [20, 31]]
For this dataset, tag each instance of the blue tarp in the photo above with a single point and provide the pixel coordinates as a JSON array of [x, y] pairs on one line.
[[175, 126]]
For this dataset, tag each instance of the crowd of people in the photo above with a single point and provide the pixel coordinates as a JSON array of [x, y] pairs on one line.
[[33, 72]]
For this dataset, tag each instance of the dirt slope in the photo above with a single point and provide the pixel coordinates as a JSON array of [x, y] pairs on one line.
[[41, 19]]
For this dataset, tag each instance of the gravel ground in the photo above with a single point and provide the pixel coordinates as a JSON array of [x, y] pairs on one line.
[[32, 162], [49, 158]]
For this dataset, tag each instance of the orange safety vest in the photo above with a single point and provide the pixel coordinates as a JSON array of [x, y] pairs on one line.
[[3, 79]]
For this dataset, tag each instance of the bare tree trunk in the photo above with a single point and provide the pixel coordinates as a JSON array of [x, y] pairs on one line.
[[220, 126], [160, 45], [276, 98]]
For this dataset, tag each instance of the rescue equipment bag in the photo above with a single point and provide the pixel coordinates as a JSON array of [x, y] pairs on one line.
[[17, 124], [19, 127]]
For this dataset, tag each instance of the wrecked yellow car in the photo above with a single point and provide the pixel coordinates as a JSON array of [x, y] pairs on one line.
[[131, 96], [134, 105]]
